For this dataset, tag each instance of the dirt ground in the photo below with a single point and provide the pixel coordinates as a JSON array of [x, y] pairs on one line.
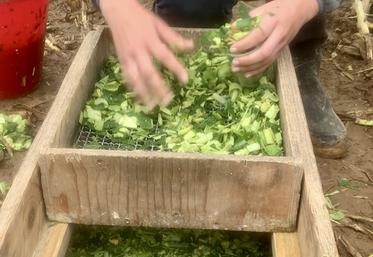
[[348, 180]]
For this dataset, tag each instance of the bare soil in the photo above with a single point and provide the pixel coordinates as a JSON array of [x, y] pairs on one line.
[[351, 98], [348, 85]]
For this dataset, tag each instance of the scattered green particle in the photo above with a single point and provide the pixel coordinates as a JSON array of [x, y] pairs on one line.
[[4, 187], [336, 216], [14, 133]]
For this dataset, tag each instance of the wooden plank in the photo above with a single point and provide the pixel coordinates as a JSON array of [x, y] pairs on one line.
[[170, 190], [22, 216], [285, 245], [315, 232], [80, 81], [55, 241]]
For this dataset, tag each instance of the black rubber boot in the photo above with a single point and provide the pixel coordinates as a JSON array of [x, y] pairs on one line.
[[327, 131]]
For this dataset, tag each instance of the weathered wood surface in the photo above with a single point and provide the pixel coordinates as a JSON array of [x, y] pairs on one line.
[[22, 216], [170, 190], [23, 222], [55, 241], [84, 74], [315, 233], [285, 245]]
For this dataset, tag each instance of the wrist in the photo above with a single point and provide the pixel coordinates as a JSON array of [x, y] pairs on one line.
[[312, 8], [108, 6], [304, 9]]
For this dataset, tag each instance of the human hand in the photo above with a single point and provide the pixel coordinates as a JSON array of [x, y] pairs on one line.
[[280, 21], [140, 37]]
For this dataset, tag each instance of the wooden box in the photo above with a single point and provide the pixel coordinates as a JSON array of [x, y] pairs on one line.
[[163, 189], [120, 187]]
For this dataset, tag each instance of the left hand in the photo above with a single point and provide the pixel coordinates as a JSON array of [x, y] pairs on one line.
[[280, 21]]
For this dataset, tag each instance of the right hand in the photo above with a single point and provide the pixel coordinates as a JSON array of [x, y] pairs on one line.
[[140, 37]]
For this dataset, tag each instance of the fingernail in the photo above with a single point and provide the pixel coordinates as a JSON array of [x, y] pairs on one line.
[[235, 62], [233, 50], [167, 99], [184, 78], [191, 43], [149, 104], [248, 75], [235, 69]]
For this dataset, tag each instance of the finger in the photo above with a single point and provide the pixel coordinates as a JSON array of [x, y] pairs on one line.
[[249, 74], [256, 36], [257, 66], [137, 84], [266, 53], [252, 40], [168, 59], [155, 85], [171, 38]]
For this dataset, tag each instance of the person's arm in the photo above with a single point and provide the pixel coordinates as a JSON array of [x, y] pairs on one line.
[[280, 21], [139, 38]]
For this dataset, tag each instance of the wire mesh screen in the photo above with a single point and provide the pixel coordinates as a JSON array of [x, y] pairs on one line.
[[87, 138]]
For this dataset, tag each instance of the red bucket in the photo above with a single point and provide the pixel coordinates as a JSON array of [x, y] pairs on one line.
[[22, 30]]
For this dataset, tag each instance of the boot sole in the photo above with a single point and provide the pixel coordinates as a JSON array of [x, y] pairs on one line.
[[336, 151]]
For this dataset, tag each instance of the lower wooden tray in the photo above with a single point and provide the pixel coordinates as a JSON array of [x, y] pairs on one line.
[[25, 230]]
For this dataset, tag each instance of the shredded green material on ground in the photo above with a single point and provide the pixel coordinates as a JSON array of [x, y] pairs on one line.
[[14, 133], [218, 111], [128, 242]]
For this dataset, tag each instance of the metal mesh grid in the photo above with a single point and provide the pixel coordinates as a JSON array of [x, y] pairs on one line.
[[87, 138]]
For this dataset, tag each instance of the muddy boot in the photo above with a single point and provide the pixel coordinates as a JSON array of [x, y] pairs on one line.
[[328, 133]]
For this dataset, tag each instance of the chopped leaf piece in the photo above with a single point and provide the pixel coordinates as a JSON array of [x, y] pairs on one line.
[[14, 133], [272, 112], [253, 147], [344, 182], [243, 10], [4, 187], [336, 216], [363, 122]]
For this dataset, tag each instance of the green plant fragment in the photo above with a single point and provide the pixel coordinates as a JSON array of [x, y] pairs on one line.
[[4, 187], [14, 133]]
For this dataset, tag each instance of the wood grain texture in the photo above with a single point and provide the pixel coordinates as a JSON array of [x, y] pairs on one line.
[[85, 71], [55, 241], [285, 245], [22, 216], [23, 222], [170, 190], [315, 232]]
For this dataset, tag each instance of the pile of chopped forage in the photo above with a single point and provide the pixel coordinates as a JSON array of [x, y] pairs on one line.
[[115, 242], [14, 133], [218, 111]]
